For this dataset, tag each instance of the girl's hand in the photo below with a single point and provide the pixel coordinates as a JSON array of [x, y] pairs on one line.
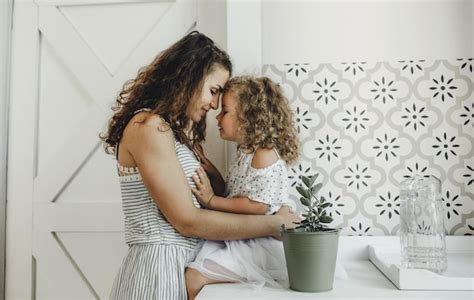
[[203, 190], [215, 177]]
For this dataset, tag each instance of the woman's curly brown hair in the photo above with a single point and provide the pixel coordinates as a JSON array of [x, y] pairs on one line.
[[166, 87], [264, 116]]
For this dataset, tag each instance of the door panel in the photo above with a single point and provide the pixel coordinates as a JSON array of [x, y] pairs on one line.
[[86, 51]]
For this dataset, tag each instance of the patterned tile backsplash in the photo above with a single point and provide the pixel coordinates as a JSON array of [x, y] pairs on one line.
[[366, 126]]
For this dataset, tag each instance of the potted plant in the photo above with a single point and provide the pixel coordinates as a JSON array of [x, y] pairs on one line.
[[311, 247]]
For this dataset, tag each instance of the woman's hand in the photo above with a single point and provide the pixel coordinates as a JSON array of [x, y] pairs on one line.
[[286, 216], [203, 190]]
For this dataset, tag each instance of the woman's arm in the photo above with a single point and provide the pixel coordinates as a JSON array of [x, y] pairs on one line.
[[154, 154], [217, 182]]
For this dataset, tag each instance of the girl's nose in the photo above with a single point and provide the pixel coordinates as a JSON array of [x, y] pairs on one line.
[[218, 117]]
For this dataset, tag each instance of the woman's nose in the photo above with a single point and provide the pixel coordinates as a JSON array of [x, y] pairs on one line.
[[218, 116], [214, 103]]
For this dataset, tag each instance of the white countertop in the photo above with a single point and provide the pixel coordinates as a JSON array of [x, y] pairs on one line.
[[364, 280]]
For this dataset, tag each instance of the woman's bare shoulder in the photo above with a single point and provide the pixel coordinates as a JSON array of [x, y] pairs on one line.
[[148, 119], [147, 128]]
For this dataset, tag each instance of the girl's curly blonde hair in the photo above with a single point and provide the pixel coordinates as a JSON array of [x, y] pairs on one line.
[[264, 116]]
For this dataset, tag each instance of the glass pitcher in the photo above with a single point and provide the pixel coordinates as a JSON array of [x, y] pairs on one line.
[[422, 233]]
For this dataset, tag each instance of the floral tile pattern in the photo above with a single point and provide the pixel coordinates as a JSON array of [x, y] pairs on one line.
[[366, 126]]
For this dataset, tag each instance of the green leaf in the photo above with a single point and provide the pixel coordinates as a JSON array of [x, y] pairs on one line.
[[306, 181], [302, 191], [323, 199], [305, 201], [313, 179], [316, 188], [304, 198], [324, 205], [325, 219]]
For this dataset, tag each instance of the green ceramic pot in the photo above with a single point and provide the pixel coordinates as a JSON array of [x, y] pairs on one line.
[[310, 259]]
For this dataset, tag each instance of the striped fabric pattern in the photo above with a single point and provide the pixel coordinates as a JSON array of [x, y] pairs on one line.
[[157, 257]]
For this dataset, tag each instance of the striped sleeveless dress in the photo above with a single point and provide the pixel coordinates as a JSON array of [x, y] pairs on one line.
[[158, 254]]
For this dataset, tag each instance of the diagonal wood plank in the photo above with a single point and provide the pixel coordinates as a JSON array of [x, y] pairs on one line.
[[114, 31], [63, 271], [62, 167], [84, 63], [181, 16]]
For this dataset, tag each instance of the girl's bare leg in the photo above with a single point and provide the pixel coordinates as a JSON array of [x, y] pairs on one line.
[[195, 281]]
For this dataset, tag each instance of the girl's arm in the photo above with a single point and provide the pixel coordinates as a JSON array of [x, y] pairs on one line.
[[154, 154], [217, 182], [238, 205]]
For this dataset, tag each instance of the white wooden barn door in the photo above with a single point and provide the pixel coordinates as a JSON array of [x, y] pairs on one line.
[[70, 60]]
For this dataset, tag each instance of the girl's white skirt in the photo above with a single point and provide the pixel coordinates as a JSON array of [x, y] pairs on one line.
[[254, 261]]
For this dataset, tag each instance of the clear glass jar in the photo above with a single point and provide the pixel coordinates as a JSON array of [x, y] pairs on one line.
[[422, 233]]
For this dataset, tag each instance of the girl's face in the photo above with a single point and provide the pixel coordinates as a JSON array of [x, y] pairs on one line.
[[209, 96], [227, 118]]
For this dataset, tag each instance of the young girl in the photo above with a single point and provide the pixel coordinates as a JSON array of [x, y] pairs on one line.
[[256, 115]]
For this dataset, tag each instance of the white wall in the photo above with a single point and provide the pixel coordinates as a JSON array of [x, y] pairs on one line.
[[244, 43], [376, 35], [335, 31], [212, 18]]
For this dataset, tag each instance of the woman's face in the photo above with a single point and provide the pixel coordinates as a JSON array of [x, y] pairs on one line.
[[209, 96], [227, 118]]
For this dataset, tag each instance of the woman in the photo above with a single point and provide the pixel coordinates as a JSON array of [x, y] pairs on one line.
[[159, 117]]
